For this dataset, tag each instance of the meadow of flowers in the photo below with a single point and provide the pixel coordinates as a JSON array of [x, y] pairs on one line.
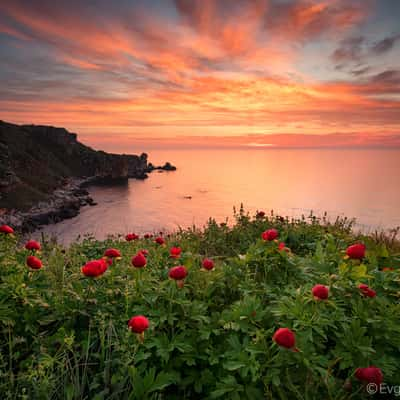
[[268, 308]]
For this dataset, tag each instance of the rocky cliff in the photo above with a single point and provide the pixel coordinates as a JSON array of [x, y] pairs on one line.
[[36, 160], [44, 171]]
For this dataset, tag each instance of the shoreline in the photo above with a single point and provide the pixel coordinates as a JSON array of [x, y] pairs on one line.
[[66, 201]]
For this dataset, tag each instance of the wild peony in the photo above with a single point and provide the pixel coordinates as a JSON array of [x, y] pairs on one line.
[[270, 234], [32, 245], [285, 337], [6, 229], [139, 260], [139, 324], [369, 375], [208, 264], [178, 273], [95, 268], [33, 262], [144, 252], [160, 240], [366, 290], [175, 252], [112, 253], [320, 292], [131, 236], [356, 251]]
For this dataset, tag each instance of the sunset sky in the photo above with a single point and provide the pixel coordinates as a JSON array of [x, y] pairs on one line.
[[127, 73]]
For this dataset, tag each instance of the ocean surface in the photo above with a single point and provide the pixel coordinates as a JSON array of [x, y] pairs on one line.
[[364, 184]]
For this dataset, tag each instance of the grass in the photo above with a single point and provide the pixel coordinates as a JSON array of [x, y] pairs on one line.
[[65, 336]]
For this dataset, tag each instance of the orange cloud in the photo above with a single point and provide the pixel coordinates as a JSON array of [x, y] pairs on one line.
[[217, 68]]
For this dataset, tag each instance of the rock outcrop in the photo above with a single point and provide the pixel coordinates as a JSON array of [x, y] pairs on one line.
[[43, 172], [65, 202], [166, 167]]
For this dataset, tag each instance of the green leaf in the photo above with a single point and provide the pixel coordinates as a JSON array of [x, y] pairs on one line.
[[276, 380], [163, 380], [343, 268], [383, 251], [254, 393], [233, 365], [359, 271]]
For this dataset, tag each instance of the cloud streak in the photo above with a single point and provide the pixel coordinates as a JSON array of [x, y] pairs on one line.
[[162, 68]]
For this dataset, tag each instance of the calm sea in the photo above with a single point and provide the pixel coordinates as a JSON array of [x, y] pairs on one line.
[[364, 184]]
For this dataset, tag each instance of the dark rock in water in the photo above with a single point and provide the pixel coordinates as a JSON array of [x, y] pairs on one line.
[[166, 167]]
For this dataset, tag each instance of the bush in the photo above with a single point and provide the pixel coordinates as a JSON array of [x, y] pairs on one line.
[[65, 335]]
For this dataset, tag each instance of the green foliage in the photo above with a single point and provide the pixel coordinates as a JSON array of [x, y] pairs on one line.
[[65, 336]]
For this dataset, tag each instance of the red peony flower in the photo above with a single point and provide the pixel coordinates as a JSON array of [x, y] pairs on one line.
[[371, 293], [175, 252], [138, 324], [160, 240], [282, 247], [366, 290], [356, 251], [260, 214], [33, 262], [32, 245], [284, 337], [131, 236], [270, 234], [320, 292], [139, 260], [179, 273], [108, 261], [6, 229], [95, 268], [369, 375], [112, 253], [144, 252], [148, 236], [208, 264]]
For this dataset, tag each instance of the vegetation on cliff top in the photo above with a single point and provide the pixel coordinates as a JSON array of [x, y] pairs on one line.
[[263, 317]]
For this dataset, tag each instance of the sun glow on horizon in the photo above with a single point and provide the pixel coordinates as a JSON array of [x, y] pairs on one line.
[[260, 144]]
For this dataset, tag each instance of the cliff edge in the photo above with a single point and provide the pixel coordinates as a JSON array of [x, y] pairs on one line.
[[44, 170]]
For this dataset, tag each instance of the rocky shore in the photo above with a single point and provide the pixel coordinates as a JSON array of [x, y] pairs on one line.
[[45, 172], [63, 203]]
